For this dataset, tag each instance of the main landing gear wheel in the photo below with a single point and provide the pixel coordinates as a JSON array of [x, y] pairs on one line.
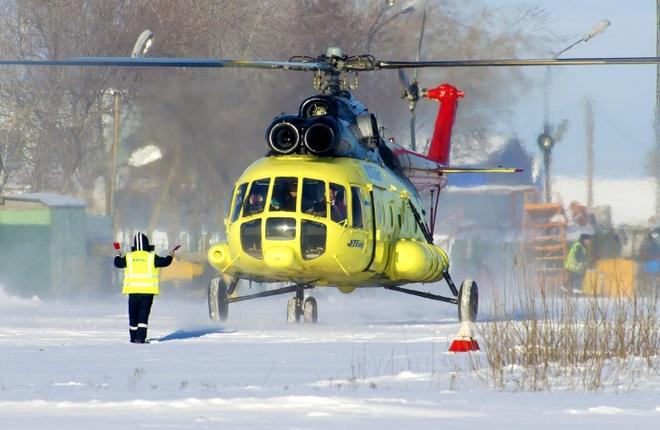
[[310, 310], [218, 300], [468, 301]]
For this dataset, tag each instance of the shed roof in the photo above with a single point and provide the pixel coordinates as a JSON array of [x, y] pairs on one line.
[[48, 199]]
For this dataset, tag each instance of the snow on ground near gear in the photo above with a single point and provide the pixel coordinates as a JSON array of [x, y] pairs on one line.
[[375, 360]]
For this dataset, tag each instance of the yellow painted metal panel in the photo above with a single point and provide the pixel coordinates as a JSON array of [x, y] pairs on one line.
[[614, 277]]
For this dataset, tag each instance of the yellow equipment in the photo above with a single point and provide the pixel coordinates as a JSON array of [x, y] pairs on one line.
[[181, 270], [615, 277]]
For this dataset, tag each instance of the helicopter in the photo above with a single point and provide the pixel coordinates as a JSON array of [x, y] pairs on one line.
[[333, 203]]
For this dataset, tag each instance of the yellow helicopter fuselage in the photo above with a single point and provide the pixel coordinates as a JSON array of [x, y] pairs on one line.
[[325, 221]]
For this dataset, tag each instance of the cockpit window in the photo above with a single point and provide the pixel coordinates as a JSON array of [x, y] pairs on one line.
[[280, 228], [251, 238], [238, 202], [337, 202], [313, 197], [356, 203], [285, 192], [254, 204], [312, 239]]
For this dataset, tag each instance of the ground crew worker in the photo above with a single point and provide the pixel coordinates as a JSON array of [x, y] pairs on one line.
[[578, 261], [141, 283]]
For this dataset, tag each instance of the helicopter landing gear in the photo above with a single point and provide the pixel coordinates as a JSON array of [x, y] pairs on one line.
[[292, 311], [467, 298], [298, 306], [220, 295], [310, 310], [218, 300], [468, 301]]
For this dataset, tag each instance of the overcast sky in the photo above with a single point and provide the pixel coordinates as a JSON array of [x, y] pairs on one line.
[[624, 95]]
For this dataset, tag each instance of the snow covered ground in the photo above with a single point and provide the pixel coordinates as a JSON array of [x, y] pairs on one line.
[[375, 360]]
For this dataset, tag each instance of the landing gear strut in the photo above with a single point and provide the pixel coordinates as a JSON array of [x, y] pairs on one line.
[[466, 298], [297, 306]]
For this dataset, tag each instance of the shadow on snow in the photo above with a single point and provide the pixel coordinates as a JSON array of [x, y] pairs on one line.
[[192, 333]]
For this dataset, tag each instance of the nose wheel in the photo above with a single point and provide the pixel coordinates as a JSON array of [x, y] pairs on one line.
[[298, 307], [223, 291], [310, 310]]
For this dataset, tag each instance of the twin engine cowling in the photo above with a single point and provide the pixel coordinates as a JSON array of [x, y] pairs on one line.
[[291, 134]]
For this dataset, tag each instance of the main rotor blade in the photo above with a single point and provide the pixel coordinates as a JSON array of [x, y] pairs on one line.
[[171, 62], [419, 45], [329, 66], [516, 62]]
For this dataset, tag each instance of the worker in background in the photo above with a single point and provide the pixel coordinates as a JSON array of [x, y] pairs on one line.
[[141, 283], [577, 261]]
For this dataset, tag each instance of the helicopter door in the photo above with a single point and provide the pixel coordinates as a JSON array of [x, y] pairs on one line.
[[357, 249]]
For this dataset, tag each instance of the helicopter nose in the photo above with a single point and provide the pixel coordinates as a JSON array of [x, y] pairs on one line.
[[281, 257]]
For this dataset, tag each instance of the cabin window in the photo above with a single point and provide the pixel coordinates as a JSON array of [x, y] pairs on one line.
[[313, 198], [312, 239], [251, 238], [338, 205], [256, 199], [285, 195], [238, 202], [280, 228], [356, 207]]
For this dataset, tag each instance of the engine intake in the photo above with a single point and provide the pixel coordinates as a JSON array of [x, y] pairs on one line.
[[283, 135], [322, 136]]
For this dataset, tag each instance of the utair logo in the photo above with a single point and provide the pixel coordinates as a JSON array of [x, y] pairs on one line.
[[356, 244]]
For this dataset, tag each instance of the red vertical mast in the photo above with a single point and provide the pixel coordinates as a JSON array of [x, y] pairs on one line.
[[448, 96]]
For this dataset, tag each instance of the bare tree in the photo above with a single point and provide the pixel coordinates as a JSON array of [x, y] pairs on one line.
[[209, 123]]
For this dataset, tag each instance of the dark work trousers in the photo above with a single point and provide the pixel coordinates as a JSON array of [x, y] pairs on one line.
[[575, 280], [139, 307]]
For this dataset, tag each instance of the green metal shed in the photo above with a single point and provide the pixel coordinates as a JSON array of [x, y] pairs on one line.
[[43, 244]]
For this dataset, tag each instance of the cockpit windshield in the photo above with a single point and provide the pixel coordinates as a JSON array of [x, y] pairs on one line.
[[256, 200], [238, 201], [308, 196], [313, 198], [285, 195]]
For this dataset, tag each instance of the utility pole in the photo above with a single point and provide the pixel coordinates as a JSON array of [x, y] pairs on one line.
[[656, 123], [589, 116], [116, 133], [547, 138]]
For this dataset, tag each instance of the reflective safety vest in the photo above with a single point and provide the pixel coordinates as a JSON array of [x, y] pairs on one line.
[[141, 275], [572, 262]]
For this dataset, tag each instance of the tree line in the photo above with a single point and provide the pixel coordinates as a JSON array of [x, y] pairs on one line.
[[56, 122]]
